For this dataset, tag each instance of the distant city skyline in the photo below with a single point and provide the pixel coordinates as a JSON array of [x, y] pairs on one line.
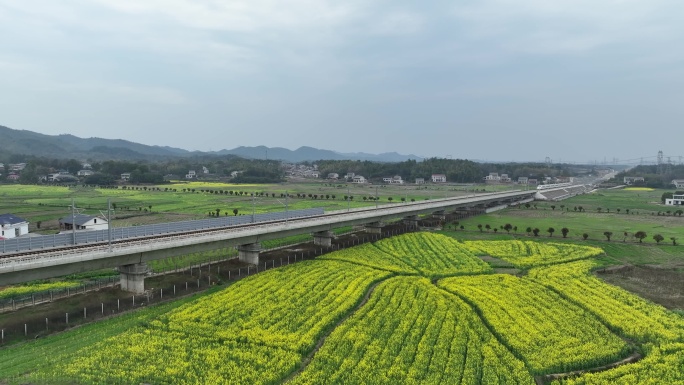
[[492, 80]]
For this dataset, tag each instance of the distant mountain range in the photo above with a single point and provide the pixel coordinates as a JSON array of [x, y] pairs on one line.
[[305, 153], [68, 146]]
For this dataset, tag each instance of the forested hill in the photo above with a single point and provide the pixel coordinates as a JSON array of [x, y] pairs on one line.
[[22, 142]]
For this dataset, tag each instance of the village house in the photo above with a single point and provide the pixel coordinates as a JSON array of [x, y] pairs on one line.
[[676, 200], [126, 176], [191, 175], [83, 222], [439, 178], [358, 179], [61, 176], [678, 183], [420, 180], [333, 175], [393, 180], [492, 177], [12, 226], [85, 172], [522, 180], [630, 180], [17, 167]]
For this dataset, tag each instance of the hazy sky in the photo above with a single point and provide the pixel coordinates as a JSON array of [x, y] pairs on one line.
[[574, 80]]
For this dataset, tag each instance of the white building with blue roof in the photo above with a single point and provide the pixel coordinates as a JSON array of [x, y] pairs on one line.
[[12, 226]]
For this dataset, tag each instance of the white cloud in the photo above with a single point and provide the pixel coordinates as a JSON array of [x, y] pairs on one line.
[[398, 23], [569, 26], [240, 15]]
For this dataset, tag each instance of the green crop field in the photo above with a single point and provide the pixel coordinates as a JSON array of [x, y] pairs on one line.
[[136, 205], [417, 308], [643, 208]]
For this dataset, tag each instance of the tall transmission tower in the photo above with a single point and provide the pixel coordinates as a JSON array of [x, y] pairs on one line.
[[660, 162]]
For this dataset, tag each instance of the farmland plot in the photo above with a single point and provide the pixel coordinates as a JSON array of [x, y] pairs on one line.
[[430, 255], [468, 327], [526, 254], [254, 332], [411, 332], [548, 332]]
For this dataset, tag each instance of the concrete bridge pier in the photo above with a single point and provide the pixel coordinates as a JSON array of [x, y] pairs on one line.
[[374, 227], [249, 253], [411, 221], [439, 215], [323, 238], [132, 277]]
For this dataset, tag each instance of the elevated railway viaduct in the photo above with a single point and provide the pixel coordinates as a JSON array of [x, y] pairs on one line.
[[131, 255]]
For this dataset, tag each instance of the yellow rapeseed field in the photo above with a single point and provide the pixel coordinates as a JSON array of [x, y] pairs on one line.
[[436, 315]]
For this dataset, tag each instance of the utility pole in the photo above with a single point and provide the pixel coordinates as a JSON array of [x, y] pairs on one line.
[[348, 199], [73, 220], [109, 222], [376, 197], [287, 210]]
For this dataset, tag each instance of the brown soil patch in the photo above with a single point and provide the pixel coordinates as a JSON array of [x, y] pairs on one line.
[[662, 286], [495, 261]]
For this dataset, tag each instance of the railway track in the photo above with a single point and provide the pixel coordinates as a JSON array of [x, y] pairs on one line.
[[100, 246]]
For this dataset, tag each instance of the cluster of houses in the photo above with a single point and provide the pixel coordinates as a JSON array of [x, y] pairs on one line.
[[12, 226], [300, 170], [677, 199], [13, 171], [305, 171], [630, 180], [353, 178], [192, 174], [496, 178]]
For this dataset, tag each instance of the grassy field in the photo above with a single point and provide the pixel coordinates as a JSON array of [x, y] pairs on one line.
[[643, 207]]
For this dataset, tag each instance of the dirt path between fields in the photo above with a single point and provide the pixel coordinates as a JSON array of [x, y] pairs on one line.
[[307, 360], [541, 380]]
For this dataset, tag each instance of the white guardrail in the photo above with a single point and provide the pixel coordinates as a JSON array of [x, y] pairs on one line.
[[80, 237]]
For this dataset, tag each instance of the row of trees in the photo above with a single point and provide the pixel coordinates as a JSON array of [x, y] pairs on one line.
[[640, 235]]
